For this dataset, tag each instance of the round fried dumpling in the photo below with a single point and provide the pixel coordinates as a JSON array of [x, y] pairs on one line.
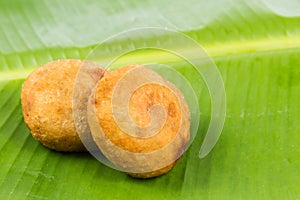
[[47, 104], [139, 121]]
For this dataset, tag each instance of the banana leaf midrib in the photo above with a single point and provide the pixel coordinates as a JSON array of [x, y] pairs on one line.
[[217, 51]]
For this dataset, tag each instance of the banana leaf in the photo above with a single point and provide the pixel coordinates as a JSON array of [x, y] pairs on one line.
[[256, 48]]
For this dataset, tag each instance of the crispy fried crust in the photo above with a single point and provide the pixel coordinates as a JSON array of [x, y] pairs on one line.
[[47, 105], [154, 173], [142, 99]]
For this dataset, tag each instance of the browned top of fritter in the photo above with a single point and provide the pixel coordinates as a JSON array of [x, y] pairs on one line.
[[140, 102]]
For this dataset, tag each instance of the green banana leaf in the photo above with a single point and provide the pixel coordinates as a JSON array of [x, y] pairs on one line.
[[256, 47]]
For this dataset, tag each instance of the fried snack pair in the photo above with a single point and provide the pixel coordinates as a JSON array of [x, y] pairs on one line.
[[148, 145]]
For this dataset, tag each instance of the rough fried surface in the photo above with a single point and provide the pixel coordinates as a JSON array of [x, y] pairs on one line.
[[140, 102], [154, 173], [47, 105]]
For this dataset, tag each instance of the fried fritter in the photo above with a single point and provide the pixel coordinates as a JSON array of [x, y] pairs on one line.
[[139, 121], [47, 104]]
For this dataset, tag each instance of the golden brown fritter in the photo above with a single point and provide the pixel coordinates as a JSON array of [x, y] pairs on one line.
[[47, 104], [140, 155]]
